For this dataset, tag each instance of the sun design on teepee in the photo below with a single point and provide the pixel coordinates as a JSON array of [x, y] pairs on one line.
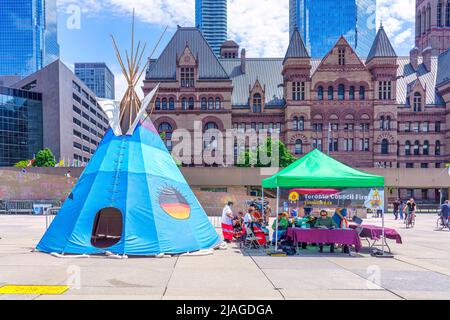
[[174, 203], [132, 71]]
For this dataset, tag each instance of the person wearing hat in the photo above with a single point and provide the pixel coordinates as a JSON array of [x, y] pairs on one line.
[[325, 222], [283, 224]]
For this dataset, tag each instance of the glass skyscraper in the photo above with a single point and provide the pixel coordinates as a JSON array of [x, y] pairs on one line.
[[97, 77], [322, 22], [28, 36], [211, 19], [21, 135]]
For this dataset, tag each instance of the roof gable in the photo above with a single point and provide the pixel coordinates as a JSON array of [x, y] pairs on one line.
[[209, 66], [332, 59]]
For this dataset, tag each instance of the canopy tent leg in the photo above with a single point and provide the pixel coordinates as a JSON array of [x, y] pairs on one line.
[[276, 219], [262, 204]]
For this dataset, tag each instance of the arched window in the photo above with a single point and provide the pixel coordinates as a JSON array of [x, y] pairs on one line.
[[341, 92], [416, 148], [165, 130], [171, 104], [439, 14], [164, 104], [210, 104], [218, 104], [417, 106], [211, 125], [437, 148], [301, 124], [407, 148], [447, 14], [387, 124], [382, 123], [351, 93], [330, 93], [204, 104], [385, 146], [429, 17], [298, 146], [158, 104], [426, 148], [362, 93], [184, 104], [295, 124], [191, 104], [320, 93], [257, 103]]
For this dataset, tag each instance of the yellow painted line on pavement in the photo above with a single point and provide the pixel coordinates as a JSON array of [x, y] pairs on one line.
[[33, 289]]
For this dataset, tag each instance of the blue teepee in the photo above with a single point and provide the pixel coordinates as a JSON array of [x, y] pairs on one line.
[[131, 198], [148, 207]]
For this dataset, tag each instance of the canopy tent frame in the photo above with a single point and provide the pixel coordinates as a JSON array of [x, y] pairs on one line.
[[313, 171]]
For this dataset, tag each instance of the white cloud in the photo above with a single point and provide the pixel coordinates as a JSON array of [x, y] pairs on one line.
[[259, 26]]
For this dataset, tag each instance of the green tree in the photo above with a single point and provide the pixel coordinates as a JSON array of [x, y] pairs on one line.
[[45, 158], [253, 159], [22, 164]]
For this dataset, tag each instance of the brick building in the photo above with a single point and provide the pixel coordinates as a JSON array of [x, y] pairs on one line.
[[379, 111]]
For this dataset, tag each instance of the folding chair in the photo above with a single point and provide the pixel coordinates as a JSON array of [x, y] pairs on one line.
[[251, 241]]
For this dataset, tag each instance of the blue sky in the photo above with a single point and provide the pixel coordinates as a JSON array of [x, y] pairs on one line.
[[260, 26]]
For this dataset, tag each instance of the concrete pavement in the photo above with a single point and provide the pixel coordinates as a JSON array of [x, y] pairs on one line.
[[420, 270]]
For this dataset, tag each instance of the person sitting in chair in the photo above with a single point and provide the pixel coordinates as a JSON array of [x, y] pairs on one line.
[[325, 222], [283, 224]]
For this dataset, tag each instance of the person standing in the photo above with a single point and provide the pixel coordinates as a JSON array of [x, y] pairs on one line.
[[396, 205], [227, 222], [340, 219], [400, 208]]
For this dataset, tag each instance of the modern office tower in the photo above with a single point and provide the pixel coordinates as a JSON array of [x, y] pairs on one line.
[[73, 123], [28, 36], [20, 125], [322, 22], [97, 77], [211, 19], [432, 26]]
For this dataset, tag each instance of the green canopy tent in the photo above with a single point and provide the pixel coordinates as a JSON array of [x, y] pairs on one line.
[[318, 170]]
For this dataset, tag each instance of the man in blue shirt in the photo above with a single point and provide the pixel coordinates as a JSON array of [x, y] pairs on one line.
[[445, 210]]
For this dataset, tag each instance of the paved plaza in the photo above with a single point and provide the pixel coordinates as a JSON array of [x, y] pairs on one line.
[[420, 270]]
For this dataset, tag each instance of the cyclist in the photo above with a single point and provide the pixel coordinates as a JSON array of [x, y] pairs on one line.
[[410, 211], [445, 210]]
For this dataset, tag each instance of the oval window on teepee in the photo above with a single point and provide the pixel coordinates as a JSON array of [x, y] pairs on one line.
[[108, 226]]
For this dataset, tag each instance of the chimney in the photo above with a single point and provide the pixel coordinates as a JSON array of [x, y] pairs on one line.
[[426, 57], [414, 58], [243, 61]]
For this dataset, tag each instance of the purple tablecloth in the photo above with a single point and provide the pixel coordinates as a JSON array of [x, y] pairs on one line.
[[376, 233], [338, 236]]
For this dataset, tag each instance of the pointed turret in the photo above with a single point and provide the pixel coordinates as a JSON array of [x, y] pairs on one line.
[[381, 47], [296, 47], [382, 64]]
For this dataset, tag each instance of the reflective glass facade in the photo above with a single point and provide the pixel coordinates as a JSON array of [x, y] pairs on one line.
[[322, 22], [21, 134], [211, 19], [28, 36], [97, 77]]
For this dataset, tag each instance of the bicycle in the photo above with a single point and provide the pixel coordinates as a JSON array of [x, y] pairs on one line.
[[441, 226], [410, 220]]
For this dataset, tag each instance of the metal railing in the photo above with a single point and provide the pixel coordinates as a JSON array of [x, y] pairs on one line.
[[28, 207]]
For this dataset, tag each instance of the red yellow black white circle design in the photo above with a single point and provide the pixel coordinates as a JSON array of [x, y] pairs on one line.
[[174, 203]]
